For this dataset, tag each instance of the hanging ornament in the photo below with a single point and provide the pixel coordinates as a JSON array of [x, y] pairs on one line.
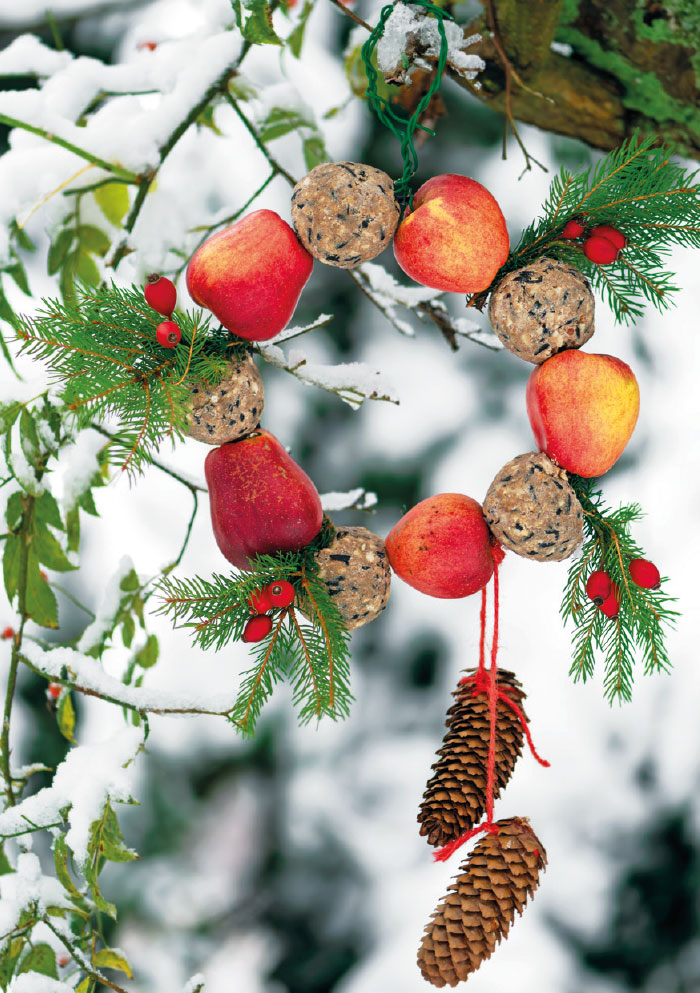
[[455, 797], [454, 237], [356, 571], [230, 410], [250, 275], [583, 409], [541, 309], [442, 546], [532, 509], [495, 882], [345, 213], [261, 501]]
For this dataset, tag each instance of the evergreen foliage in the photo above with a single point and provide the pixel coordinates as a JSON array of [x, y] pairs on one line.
[[636, 188], [638, 632], [313, 654], [101, 349]]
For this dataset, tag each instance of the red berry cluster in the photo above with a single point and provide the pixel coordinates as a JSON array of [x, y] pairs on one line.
[[605, 594], [601, 245], [161, 295], [272, 597]]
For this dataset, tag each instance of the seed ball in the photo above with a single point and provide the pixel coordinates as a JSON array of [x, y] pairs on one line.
[[533, 510], [357, 574], [543, 309], [345, 213], [229, 410]]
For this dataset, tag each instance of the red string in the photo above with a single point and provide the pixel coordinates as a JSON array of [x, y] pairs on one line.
[[487, 682]]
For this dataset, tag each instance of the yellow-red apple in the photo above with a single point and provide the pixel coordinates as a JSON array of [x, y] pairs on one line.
[[583, 409], [442, 546], [250, 276], [455, 238], [261, 501]]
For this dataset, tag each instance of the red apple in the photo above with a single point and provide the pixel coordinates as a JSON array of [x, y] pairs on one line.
[[250, 276], [442, 546], [261, 501], [455, 238], [583, 409]]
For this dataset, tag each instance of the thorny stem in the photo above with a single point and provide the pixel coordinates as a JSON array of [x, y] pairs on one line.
[[81, 960], [125, 174], [352, 15], [16, 645], [280, 170], [509, 74]]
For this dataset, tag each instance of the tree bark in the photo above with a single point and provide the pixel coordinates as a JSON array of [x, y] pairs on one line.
[[634, 64]]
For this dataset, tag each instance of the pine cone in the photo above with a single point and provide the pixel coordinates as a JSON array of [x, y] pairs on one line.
[[455, 797], [479, 906]]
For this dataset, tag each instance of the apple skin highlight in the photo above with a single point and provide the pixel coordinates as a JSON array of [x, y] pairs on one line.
[[250, 275], [583, 409], [455, 238], [442, 547]]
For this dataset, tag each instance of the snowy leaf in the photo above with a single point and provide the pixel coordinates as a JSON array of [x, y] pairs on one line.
[[65, 715], [113, 201], [113, 958], [42, 959]]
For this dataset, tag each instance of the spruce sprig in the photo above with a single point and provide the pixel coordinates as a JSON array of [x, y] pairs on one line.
[[102, 352], [636, 188], [638, 633], [308, 644]]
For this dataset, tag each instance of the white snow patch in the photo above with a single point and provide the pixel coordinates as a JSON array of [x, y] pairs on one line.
[[111, 600], [195, 984], [79, 465], [357, 499], [89, 674], [23, 889], [34, 982], [408, 27], [28, 56], [89, 777]]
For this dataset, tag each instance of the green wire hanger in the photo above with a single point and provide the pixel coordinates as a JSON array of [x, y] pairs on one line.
[[402, 127]]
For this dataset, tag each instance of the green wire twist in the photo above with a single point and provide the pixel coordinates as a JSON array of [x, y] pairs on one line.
[[404, 128]]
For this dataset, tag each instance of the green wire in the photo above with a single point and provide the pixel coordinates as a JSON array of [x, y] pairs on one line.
[[404, 128]]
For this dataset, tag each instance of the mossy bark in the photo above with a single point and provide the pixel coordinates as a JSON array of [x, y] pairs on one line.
[[634, 64]]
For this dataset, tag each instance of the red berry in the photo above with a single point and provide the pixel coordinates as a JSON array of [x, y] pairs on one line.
[[160, 294], [598, 587], [260, 601], [168, 334], [645, 574], [572, 229], [43, 575], [8, 633], [611, 605], [600, 250], [149, 46], [54, 690], [281, 593], [257, 628], [612, 234]]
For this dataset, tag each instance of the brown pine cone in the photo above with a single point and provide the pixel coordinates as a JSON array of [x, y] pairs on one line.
[[532, 509], [455, 797], [479, 906], [230, 410]]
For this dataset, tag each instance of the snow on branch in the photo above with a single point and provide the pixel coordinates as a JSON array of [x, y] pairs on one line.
[[27, 889], [353, 382], [357, 499], [87, 675], [410, 33], [89, 777], [181, 72]]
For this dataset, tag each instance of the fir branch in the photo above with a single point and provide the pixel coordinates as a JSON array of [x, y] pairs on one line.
[[636, 188], [102, 351], [312, 654], [638, 633]]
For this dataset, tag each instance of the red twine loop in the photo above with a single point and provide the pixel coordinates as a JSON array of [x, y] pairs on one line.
[[486, 681]]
